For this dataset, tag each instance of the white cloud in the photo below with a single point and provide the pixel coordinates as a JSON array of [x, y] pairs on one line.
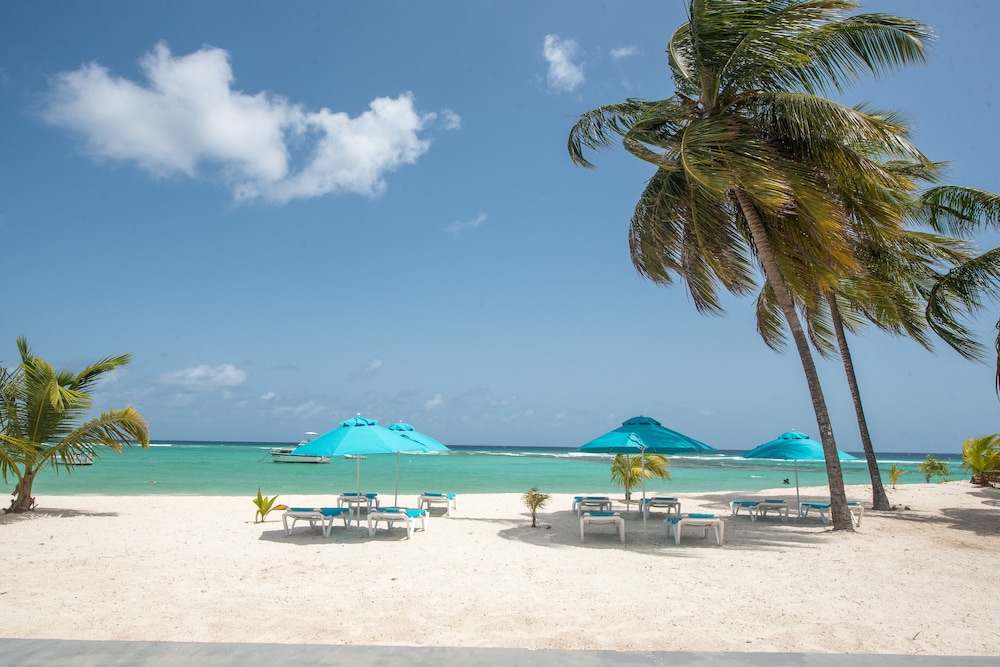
[[624, 52], [268, 396], [205, 377], [187, 115], [501, 402], [434, 403], [460, 226], [373, 367], [564, 74], [452, 121]]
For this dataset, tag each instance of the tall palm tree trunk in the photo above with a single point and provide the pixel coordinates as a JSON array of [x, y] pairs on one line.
[[838, 495], [879, 500]]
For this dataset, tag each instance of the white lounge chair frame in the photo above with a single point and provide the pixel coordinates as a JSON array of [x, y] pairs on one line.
[[856, 509], [765, 506], [672, 505], [356, 502], [583, 503], [615, 519], [675, 526], [749, 505], [449, 500], [315, 516], [390, 518]]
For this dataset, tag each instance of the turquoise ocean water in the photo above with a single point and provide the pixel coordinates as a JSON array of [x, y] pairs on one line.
[[234, 469]]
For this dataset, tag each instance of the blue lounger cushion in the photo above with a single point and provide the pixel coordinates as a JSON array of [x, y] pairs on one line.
[[746, 503], [818, 505], [415, 513], [449, 496], [325, 511], [601, 513], [701, 516], [774, 500]]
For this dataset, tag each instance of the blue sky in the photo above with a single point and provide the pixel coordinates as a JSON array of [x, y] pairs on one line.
[[290, 214]]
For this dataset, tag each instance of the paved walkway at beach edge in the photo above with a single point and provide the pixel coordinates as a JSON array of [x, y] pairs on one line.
[[80, 653]]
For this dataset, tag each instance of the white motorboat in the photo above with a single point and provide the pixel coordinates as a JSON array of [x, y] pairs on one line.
[[288, 455], [74, 459]]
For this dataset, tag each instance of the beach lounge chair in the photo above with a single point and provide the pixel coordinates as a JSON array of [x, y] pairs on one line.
[[584, 503], [393, 515], [749, 505], [429, 498], [776, 505], [592, 518], [321, 515], [857, 511], [672, 505], [675, 524], [356, 501]]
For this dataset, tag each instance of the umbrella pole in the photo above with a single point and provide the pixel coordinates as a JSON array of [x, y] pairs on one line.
[[798, 498], [357, 460], [642, 507], [395, 500]]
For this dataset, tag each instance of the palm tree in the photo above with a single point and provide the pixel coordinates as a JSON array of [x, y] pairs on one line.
[[980, 454], [535, 500], [888, 291], [749, 157], [628, 470], [41, 409]]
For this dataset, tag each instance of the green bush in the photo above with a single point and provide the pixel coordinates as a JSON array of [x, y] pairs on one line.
[[932, 467]]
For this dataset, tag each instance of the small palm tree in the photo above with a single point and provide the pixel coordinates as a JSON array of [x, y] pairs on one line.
[[981, 453], [895, 472], [41, 408], [627, 470], [535, 501]]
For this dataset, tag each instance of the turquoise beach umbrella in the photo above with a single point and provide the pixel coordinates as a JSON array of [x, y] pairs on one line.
[[657, 438], [639, 435], [793, 446], [421, 443], [357, 437], [425, 443]]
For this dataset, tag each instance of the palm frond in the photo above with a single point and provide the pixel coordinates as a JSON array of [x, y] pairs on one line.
[[962, 292], [951, 209]]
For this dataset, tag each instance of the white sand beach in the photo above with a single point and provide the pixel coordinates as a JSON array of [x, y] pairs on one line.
[[920, 580]]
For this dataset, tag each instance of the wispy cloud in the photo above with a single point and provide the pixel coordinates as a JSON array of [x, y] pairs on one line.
[[451, 120], [203, 378], [373, 367], [564, 73], [624, 52], [186, 116], [460, 226], [434, 403]]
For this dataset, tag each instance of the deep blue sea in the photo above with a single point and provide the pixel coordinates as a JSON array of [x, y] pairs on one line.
[[234, 469]]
